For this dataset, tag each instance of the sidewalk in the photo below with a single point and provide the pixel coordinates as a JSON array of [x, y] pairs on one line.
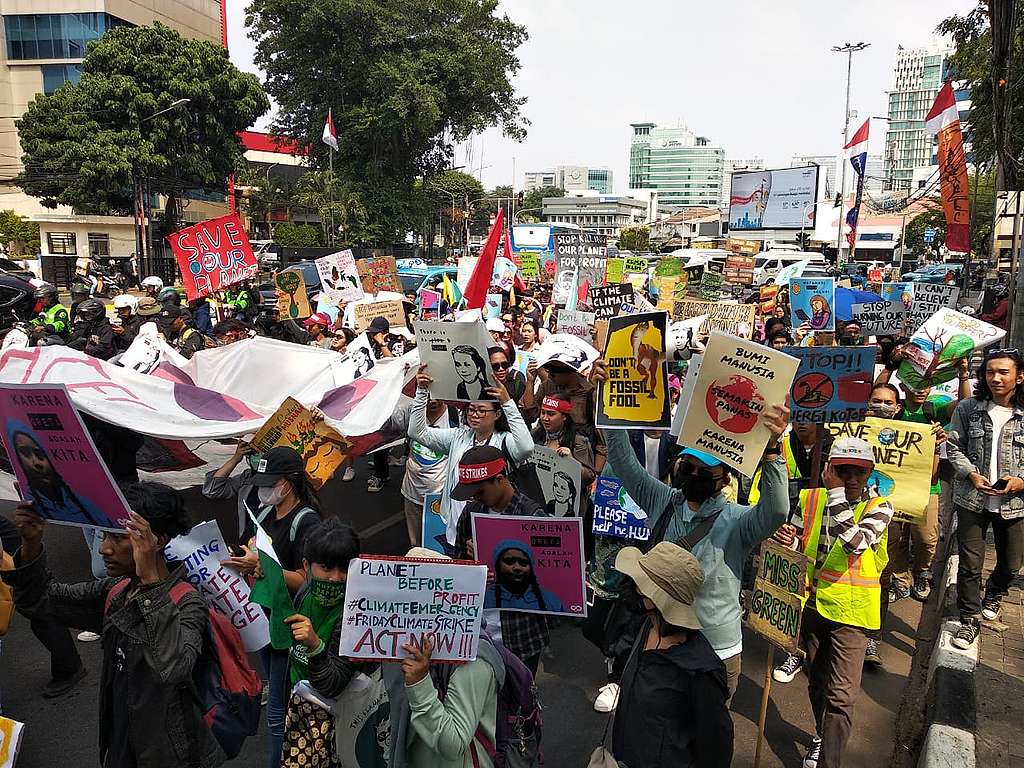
[[1000, 682]]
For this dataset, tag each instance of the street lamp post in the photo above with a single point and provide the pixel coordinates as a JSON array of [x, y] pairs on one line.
[[521, 211], [849, 49]]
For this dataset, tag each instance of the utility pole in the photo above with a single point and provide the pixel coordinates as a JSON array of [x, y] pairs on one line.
[[849, 49]]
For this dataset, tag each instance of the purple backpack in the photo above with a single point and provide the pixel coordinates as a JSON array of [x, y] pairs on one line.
[[519, 718]]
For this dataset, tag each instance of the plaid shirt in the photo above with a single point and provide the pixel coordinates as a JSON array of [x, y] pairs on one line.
[[525, 634]]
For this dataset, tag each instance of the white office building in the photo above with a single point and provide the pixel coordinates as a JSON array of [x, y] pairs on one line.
[[687, 170]]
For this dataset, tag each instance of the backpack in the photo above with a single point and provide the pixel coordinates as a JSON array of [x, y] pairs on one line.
[[225, 686], [518, 720], [293, 531]]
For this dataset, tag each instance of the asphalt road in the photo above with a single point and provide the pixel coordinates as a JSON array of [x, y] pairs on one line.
[[571, 673]]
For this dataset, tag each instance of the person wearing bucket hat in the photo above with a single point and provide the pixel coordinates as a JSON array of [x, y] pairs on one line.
[[672, 669]]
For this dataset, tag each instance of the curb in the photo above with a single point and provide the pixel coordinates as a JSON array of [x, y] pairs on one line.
[[952, 695]]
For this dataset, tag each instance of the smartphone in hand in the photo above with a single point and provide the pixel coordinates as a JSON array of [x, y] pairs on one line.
[[999, 485]]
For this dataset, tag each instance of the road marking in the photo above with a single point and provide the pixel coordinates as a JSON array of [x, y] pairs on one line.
[[382, 526]]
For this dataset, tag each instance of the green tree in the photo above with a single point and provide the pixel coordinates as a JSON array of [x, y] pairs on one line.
[[84, 143], [404, 80], [913, 233], [450, 192], [533, 201], [293, 235], [636, 239], [18, 235], [337, 206]]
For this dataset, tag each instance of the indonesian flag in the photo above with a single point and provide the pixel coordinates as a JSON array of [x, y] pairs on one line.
[[943, 120], [330, 136], [476, 289], [857, 147], [943, 111]]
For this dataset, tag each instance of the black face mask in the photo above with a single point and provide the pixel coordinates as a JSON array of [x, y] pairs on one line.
[[697, 487]]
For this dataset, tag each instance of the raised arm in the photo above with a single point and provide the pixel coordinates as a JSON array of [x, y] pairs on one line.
[[760, 521], [435, 438], [652, 495], [448, 727]]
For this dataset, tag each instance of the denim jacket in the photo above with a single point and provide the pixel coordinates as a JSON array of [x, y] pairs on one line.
[[970, 447]]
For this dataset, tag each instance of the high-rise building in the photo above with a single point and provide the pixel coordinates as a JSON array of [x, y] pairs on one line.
[[685, 169], [536, 179], [570, 178], [827, 176], [753, 164]]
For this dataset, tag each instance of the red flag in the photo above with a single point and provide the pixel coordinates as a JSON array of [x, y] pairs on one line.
[[476, 289], [582, 291], [944, 119], [517, 283]]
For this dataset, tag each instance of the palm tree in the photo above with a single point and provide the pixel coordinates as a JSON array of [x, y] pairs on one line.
[[339, 209]]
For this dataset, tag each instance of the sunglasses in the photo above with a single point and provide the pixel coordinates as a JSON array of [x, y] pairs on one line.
[[501, 366], [703, 473]]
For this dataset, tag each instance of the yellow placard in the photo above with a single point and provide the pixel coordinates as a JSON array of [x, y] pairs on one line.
[[322, 449]]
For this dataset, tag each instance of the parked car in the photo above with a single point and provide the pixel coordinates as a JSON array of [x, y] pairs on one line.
[[933, 273], [16, 268], [415, 279], [18, 303], [268, 294]]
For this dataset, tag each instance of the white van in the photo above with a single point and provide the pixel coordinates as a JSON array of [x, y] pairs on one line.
[[768, 263]]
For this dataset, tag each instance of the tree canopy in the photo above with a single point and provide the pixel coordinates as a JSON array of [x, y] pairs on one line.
[[18, 235], [637, 239], [533, 201], [83, 142], [404, 80]]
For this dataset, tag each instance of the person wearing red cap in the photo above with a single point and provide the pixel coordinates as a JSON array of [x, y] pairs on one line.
[[316, 326], [556, 430]]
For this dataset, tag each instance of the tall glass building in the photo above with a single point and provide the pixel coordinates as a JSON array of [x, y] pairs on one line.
[[685, 169]]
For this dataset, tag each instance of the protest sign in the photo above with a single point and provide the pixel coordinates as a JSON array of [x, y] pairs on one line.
[[686, 393], [432, 531], [292, 300], [614, 268], [831, 384], [390, 602], [812, 300], [616, 514], [582, 256], [881, 318], [10, 741], [711, 285], [529, 266], [504, 275], [430, 304], [456, 358], [575, 323], [937, 348], [492, 306], [55, 461], [213, 255], [767, 296], [393, 311], [379, 274], [668, 266], [608, 299], [601, 333], [790, 271], [682, 338], [737, 382], [339, 277], [735, 319], [901, 292], [635, 394], [560, 480], [904, 452], [201, 552], [741, 247], [522, 362], [739, 269], [929, 299], [568, 350], [874, 275], [637, 280], [464, 270], [321, 448], [776, 602], [635, 265], [537, 563]]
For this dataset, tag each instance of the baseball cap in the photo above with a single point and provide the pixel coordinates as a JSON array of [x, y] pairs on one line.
[[495, 325], [556, 404], [275, 464], [705, 458], [477, 465], [379, 325], [147, 307], [171, 312], [317, 318], [852, 451]]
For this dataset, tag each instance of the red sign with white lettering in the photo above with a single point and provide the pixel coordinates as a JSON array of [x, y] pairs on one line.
[[213, 255]]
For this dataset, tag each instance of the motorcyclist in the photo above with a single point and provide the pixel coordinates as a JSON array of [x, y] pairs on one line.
[[128, 328], [239, 302], [53, 319], [999, 316], [79, 292], [92, 332], [152, 285], [169, 297], [179, 334]]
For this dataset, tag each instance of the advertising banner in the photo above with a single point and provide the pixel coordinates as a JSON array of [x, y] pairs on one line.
[[616, 514], [777, 199], [339, 277], [537, 563], [776, 602], [812, 300], [321, 448], [561, 482], [635, 395], [292, 300], [734, 319], [389, 602], [832, 383], [456, 358], [213, 255]]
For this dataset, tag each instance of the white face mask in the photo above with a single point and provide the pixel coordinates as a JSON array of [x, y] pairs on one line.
[[272, 496]]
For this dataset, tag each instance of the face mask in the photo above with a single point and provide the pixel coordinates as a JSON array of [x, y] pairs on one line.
[[271, 497], [696, 488], [882, 410], [327, 593]]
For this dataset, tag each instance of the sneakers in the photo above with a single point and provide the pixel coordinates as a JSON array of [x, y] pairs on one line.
[[871, 655], [607, 698], [350, 474], [787, 670], [966, 635], [374, 485], [898, 592], [87, 637], [922, 586], [813, 754], [56, 687], [991, 608]]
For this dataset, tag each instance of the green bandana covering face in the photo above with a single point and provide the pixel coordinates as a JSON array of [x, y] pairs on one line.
[[327, 593], [322, 605]]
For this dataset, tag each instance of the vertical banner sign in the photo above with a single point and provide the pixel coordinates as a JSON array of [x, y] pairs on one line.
[[904, 452], [391, 601], [944, 119], [430, 304], [339, 277], [536, 562], [616, 514], [379, 274], [831, 384], [292, 299], [776, 602], [936, 349], [737, 382], [583, 251], [812, 300], [607, 300], [55, 461], [560, 481], [201, 551], [635, 394], [321, 448], [213, 255]]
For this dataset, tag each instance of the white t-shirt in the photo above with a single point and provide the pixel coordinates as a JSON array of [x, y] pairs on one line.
[[1000, 415], [425, 470]]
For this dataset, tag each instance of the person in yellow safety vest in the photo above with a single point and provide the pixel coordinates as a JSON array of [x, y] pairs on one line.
[[53, 320], [844, 531], [796, 450]]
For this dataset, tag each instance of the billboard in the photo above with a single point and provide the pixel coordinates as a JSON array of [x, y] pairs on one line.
[[779, 199]]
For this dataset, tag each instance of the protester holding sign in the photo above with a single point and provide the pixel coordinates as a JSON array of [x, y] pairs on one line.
[[555, 430]]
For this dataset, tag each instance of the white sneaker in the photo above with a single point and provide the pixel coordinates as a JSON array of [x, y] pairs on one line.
[[88, 637], [350, 474], [607, 698], [787, 670]]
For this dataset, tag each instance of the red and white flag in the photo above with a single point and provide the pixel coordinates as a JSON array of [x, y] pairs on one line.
[[943, 111], [943, 120], [330, 136]]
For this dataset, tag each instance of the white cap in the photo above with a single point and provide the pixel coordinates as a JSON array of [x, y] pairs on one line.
[[123, 300], [495, 325], [852, 450], [155, 281]]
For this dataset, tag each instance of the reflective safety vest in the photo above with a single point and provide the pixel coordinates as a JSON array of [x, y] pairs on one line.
[[55, 319], [846, 589], [791, 469]]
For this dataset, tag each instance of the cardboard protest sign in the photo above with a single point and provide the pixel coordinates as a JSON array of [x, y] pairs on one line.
[[292, 300], [739, 269], [734, 319], [635, 395], [321, 448], [529, 265], [608, 299], [581, 254], [637, 280], [881, 318], [10, 741], [568, 350], [492, 305], [776, 602], [560, 480], [379, 274], [711, 284], [832, 383], [812, 300], [339, 277], [430, 304], [393, 311], [391, 601], [575, 323], [456, 358], [201, 551], [537, 563], [504, 275], [432, 532], [929, 299], [737, 382], [788, 272], [213, 255], [936, 349], [55, 461], [616, 514], [767, 298], [613, 270], [904, 452]]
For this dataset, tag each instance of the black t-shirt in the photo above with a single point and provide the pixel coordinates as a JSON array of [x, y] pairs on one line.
[[289, 551], [119, 751]]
